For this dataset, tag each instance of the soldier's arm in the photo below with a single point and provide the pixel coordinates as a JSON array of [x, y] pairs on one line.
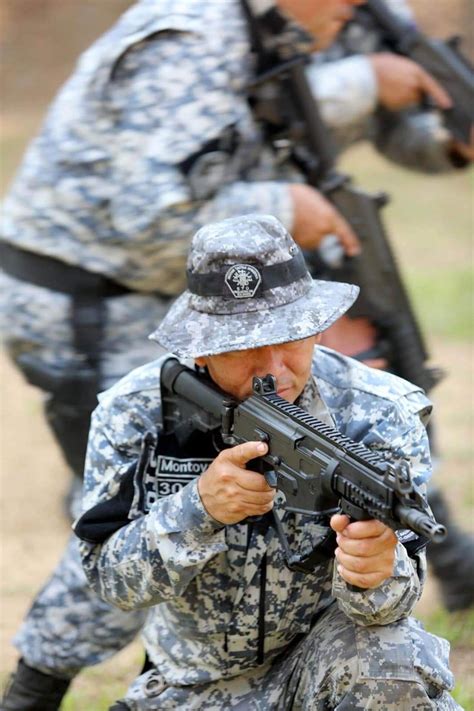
[[416, 140], [348, 94], [156, 550]]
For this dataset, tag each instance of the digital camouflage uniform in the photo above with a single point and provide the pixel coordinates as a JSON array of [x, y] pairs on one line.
[[202, 630], [150, 138], [326, 645]]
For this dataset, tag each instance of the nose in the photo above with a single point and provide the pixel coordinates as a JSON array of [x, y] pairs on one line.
[[271, 361]]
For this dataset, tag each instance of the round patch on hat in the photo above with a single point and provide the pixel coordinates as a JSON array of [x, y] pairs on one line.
[[243, 280]]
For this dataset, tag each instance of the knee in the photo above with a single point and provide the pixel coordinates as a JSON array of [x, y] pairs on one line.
[[397, 666], [369, 667]]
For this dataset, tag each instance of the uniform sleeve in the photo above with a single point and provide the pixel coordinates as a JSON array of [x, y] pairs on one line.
[[348, 98], [400, 430], [394, 599], [153, 555], [414, 139], [184, 144], [346, 91]]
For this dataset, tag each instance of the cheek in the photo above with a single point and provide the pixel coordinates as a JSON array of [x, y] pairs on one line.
[[233, 378]]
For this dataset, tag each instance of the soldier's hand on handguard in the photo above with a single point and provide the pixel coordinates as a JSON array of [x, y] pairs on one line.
[[230, 492], [403, 83], [366, 551], [314, 217]]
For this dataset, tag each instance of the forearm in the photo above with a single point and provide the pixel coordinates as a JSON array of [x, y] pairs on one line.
[[155, 557], [414, 139]]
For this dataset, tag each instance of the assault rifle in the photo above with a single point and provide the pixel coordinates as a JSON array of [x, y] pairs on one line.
[[318, 469], [282, 99], [442, 59]]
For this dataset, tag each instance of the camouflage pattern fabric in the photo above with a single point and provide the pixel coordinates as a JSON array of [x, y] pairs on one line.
[[69, 627], [345, 85], [130, 161], [201, 582], [38, 323], [338, 666], [237, 251]]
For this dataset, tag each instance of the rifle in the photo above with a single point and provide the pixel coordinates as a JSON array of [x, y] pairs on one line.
[[442, 59], [319, 470], [282, 99]]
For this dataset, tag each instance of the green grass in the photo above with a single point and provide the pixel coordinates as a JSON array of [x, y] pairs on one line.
[[463, 695], [443, 299], [456, 627], [429, 220]]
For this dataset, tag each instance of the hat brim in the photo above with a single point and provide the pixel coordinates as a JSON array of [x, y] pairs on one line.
[[190, 334]]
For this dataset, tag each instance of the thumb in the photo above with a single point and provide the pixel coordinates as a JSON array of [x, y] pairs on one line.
[[339, 522]]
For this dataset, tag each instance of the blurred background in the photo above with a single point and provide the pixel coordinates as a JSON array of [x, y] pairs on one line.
[[430, 219]]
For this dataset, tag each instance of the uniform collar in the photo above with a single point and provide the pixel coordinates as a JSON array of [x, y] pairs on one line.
[[311, 400]]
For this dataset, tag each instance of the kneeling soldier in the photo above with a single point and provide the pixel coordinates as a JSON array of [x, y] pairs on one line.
[[185, 529]]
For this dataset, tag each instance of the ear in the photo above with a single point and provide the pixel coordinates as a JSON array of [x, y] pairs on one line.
[[201, 361]]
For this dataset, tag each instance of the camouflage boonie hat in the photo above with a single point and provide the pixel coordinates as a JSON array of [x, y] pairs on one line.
[[248, 286]]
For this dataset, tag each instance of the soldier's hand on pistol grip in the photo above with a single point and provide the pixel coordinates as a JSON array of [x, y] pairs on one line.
[[230, 492]]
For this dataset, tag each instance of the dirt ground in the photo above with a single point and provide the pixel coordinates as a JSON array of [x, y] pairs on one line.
[[42, 40]]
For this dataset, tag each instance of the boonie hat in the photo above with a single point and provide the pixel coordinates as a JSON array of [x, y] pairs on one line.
[[248, 286]]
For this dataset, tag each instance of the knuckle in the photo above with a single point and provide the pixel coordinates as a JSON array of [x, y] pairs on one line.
[[366, 581], [364, 548], [360, 565]]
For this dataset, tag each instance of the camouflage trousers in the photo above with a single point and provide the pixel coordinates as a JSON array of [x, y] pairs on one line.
[[338, 666], [68, 627]]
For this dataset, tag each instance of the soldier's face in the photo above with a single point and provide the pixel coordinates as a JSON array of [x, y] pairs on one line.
[[323, 18], [290, 363]]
